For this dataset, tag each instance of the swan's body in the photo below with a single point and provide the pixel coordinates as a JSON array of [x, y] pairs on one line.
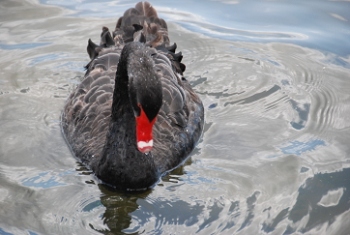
[[133, 83]]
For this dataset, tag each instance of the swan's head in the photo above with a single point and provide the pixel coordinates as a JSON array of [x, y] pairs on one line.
[[145, 93]]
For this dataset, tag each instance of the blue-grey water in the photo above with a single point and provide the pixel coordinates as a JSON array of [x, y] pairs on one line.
[[274, 157]]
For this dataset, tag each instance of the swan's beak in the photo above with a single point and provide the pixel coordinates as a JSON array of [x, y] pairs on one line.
[[145, 147], [144, 127]]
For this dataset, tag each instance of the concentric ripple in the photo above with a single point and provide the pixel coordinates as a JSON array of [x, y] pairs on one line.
[[274, 154]]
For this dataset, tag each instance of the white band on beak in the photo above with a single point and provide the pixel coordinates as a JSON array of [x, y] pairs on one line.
[[145, 147]]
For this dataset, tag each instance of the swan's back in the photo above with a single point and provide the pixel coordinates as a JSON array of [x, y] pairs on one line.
[[86, 118]]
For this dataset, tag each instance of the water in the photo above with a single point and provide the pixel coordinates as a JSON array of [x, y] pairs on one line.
[[274, 77]]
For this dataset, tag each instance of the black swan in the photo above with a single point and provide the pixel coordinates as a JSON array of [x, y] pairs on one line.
[[134, 116]]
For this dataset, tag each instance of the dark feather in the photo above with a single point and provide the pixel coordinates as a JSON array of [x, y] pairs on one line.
[[98, 122]]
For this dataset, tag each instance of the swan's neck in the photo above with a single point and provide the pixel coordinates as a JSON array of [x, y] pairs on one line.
[[122, 133], [121, 103], [121, 163]]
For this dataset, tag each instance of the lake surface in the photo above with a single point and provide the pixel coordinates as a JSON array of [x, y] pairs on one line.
[[274, 157]]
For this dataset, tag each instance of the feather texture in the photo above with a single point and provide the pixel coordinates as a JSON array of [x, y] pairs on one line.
[[98, 121]]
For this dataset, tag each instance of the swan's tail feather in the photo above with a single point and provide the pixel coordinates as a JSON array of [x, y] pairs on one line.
[[106, 38], [91, 49], [140, 23], [146, 9], [143, 18]]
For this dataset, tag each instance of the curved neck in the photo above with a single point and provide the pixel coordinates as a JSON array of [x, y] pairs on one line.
[[120, 156], [121, 101]]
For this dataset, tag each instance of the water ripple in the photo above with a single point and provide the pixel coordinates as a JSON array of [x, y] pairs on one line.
[[233, 34], [274, 155]]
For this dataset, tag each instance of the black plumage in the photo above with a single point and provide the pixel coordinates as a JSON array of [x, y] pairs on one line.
[[133, 70]]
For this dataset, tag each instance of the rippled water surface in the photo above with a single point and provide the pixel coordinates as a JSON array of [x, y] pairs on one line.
[[274, 77]]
